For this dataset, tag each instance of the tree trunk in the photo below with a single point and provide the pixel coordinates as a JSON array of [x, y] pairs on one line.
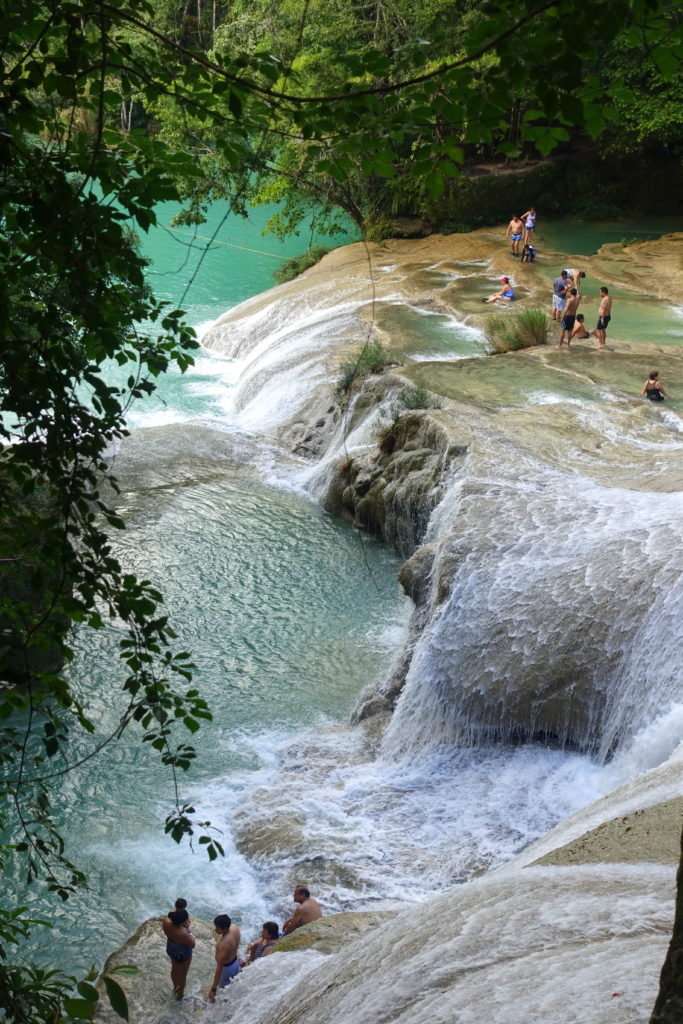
[[668, 1008]]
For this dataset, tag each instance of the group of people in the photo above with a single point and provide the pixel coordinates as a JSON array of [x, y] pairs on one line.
[[180, 942], [566, 298], [565, 306]]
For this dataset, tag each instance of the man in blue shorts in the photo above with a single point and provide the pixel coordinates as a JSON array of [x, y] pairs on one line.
[[227, 964], [516, 230]]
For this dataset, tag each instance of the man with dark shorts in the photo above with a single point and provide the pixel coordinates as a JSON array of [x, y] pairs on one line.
[[560, 285], [604, 316], [569, 318]]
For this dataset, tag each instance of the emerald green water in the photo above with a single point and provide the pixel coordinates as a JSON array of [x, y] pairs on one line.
[[586, 237]]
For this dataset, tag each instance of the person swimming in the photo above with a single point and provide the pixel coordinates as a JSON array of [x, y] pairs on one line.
[[654, 389]]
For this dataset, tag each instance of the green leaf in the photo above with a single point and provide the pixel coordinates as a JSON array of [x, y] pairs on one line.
[[117, 997], [82, 1009]]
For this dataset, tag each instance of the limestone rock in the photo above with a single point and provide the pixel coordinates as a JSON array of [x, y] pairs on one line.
[[330, 934], [149, 993]]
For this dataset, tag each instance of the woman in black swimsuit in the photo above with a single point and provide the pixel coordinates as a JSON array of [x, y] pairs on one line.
[[653, 388], [179, 945]]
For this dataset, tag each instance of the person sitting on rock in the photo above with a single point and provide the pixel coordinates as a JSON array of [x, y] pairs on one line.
[[507, 292], [307, 911], [270, 933]]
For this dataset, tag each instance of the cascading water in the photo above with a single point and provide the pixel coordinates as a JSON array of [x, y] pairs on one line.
[[553, 594], [563, 620]]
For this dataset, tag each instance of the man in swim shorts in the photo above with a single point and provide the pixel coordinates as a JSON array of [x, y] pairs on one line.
[[227, 964], [560, 286], [307, 911], [604, 316], [571, 305], [179, 945], [515, 230]]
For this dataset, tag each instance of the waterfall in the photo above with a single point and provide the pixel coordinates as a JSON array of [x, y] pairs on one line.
[[563, 619]]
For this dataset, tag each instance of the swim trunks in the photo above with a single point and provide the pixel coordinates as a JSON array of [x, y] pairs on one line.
[[228, 973], [602, 323], [178, 952], [516, 238], [568, 321], [558, 302]]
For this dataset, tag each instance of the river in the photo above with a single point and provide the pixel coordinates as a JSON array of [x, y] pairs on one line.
[[289, 614]]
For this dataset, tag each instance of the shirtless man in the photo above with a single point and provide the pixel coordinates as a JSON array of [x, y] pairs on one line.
[[516, 229], [569, 318], [604, 316], [179, 945], [307, 911], [227, 964]]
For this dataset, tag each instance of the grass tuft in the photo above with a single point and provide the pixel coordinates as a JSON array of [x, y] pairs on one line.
[[373, 357], [509, 332]]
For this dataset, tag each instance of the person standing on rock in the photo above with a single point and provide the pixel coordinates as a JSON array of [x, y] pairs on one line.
[[179, 945], [515, 230], [560, 286], [529, 219], [227, 944], [604, 316], [307, 911], [569, 318]]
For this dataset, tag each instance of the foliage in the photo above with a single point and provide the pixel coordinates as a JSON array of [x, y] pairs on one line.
[[296, 265], [414, 396], [508, 332], [372, 357], [427, 89]]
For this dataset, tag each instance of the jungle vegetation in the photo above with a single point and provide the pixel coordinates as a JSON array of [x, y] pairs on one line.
[[108, 107]]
